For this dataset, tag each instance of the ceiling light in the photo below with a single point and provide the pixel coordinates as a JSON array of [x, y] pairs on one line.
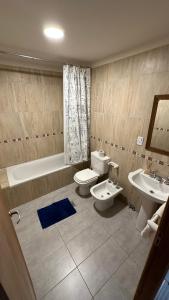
[[54, 33]]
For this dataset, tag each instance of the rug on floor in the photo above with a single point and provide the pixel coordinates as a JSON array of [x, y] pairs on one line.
[[55, 212]]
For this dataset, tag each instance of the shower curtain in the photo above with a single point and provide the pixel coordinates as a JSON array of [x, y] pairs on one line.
[[76, 95]]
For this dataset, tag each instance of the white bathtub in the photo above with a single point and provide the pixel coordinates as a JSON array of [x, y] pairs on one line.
[[18, 174]]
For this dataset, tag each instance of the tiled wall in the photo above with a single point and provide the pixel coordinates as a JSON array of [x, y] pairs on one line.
[[33, 189], [121, 103], [31, 115]]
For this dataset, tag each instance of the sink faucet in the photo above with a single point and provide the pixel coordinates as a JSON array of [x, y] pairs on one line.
[[166, 180], [152, 174], [159, 179]]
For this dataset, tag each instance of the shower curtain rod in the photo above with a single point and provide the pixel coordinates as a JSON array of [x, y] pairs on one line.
[[76, 65]]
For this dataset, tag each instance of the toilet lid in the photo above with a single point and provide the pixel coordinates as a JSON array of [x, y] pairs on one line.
[[86, 175]]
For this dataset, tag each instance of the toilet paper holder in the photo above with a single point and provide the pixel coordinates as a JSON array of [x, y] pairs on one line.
[[113, 164]]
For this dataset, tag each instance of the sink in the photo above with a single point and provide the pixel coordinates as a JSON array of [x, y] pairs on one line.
[[158, 192], [153, 192]]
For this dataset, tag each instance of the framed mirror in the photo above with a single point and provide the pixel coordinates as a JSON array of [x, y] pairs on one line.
[[158, 133]]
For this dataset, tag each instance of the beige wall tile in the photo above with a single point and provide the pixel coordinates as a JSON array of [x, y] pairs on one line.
[[31, 104], [121, 102]]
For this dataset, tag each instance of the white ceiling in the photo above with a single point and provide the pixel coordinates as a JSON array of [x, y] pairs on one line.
[[94, 29]]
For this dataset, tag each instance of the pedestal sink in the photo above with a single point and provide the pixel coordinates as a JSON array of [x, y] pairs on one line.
[[153, 191]]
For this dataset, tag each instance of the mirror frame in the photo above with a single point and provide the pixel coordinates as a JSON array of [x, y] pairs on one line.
[[157, 98]]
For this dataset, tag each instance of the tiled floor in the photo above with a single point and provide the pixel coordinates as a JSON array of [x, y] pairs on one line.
[[86, 256]]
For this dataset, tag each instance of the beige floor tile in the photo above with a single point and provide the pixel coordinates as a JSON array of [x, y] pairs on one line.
[[117, 217], [27, 225], [80, 203], [32, 206], [127, 237], [87, 241], [128, 276], [71, 288], [111, 225], [72, 226], [44, 240], [99, 267], [140, 253], [113, 290], [48, 272], [86, 235]]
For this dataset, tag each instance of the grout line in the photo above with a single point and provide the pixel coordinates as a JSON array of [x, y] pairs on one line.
[[75, 264], [110, 277], [113, 273], [127, 256], [57, 284], [66, 275], [94, 222], [95, 250], [87, 209], [85, 282], [77, 267], [126, 251], [75, 235], [61, 246]]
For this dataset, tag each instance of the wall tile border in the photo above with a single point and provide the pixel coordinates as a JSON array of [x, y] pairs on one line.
[[161, 129], [133, 152], [36, 136]]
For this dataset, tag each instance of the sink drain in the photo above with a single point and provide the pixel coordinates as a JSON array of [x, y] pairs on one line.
[[151, 191]]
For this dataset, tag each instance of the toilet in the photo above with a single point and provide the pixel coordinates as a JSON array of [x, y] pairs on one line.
[[88, 177], [104, 194]]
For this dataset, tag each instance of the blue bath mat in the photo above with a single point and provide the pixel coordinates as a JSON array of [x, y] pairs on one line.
[[55, 212]]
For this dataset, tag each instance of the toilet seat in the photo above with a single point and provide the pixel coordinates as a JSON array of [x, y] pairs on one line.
[[85, 176]]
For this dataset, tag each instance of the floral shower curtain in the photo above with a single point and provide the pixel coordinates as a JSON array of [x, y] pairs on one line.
[[76, 94]]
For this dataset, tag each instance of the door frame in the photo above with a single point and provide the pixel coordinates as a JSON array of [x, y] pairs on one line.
[[14, 275]]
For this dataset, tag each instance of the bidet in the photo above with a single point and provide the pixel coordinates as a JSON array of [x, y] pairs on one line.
[[104, 194]]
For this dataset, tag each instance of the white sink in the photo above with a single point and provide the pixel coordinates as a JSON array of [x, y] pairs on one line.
[[158, 192], [153, 193]]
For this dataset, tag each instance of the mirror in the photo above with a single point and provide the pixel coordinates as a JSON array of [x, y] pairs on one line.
[[158, 133]]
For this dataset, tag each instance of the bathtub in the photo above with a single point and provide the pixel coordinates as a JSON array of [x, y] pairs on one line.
[[31, 170]]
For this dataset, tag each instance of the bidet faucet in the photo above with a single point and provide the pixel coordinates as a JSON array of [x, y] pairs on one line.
[[114, 181]]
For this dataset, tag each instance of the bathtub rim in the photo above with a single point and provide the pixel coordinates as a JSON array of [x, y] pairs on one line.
[[14, 182]]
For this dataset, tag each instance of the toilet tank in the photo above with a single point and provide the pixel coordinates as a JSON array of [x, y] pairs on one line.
[[99, 163]]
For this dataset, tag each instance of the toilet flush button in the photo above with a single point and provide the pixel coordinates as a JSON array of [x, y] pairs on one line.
[[140, 140]]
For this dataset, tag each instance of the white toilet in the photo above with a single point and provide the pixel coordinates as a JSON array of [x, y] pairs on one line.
[[88, 177], [104, 194]]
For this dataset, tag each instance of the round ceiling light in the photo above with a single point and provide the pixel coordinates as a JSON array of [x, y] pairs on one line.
[[54, 33]]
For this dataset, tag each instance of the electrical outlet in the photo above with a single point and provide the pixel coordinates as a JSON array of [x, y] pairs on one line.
[[140, 140]]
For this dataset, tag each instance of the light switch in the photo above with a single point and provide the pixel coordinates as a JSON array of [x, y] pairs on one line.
[[140, 140]]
